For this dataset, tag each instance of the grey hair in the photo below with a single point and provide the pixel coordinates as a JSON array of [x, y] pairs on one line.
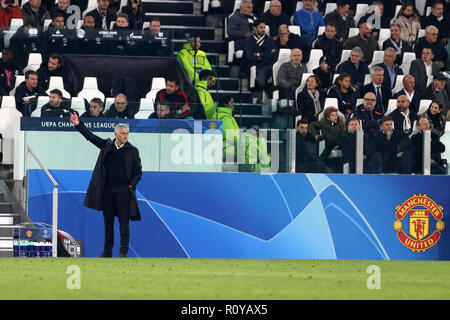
[[358, 49], [428, 29], [243, 2], [396, 24], [121, 126], [376, 69], [391, 49]]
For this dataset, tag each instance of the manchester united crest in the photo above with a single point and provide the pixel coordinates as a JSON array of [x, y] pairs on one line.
[[212, 125], [425, 223]]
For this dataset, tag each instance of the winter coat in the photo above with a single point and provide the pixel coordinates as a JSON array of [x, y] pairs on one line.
[[133, 167]]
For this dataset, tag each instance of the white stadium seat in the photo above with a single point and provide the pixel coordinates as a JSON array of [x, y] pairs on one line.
[[377, 58], [158, 83], [398, 83], [19, 80], [353, 32], [146, 105], [283, 56], [408, 57], [392, 105], [314, 58], [57, 83], [423, 107], [108, 103], [295, 30], [9, 127], [385, 34], [41, 101], [90, 89]]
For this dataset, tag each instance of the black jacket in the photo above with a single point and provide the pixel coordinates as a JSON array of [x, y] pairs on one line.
[[28, 105], [386, 94], [370, 119], [386, 78], [398, 119], [346, 101], [388, 149], [30, 17], [439, 52], [415, 103], [296, 42], [110, 17], [133, 167], [357, 74], [437, 148], [342, 26], [44, 75], [332, 49], [405, 47], [128, 113], [305, 104], [326, 78], [63, 111], [275, 22], [136, 20], [15, 69]]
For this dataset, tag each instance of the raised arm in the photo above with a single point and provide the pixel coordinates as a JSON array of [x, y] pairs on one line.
[[79, 125]]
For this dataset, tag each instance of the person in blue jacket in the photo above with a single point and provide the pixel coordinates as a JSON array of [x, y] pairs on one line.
[[309, 20]]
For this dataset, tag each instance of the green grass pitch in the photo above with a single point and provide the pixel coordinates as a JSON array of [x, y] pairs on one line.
[[229, 279]]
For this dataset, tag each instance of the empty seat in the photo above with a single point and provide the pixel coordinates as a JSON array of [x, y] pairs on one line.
[[314, 58], [9, 128], [408, 57], [143, 114], [330, 102], [398, 83], [378, 56], [361, 10], [57, 83], [34, 62], [295, 30], [42, 100], [392, 105], [330, 8], [385, 34], [90, 89], [146, 105], [423, 107], [19, 80], [78, 105], [353, 32], [158, 83], [283, 56]]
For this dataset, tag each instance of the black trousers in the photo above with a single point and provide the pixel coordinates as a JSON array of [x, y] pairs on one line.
[[116, 199]]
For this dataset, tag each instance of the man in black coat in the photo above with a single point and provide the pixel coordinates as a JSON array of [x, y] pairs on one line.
[[403, 117], [102, 15], [366, 113], [391, 69], [289, 40], [341, 19], [330, 45], [307, 158], [113, 184], [50, 68], [382, 93], [274, 17]]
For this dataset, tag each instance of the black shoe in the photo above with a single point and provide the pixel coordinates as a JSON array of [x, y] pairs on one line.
[[105, 256]]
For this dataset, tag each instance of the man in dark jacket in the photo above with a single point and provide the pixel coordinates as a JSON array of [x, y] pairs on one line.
[[394, 147], [240, 24], [364, 41], [289, 40], [330, 45], [102, 15], [439, 91], [95, 109], [58, 38], [120, 108], [439, 19], [367, 114], [430, 40], [355, 67], [162, 111], [9, 69], [56, 107], [34, 13], [274, 17], [394, 41], [382, 92], [179, 105], [403, 117], [341, 19], [52, 68], [307, 159], [113, 184], [27, 93]]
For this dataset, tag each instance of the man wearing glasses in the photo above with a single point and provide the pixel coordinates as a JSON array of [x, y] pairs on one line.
[[120, 108], [431, 41], [366, 112]]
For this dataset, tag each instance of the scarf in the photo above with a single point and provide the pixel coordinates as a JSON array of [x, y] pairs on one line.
[[315, 97], [259, 41], [406, 121], [434, 118], [396, 46]]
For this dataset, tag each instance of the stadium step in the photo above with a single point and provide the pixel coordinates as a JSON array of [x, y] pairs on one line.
[[226, 84], [5, 207], [184, 32], [158, 6], [248, 109], [177, 19], [246, 96], [247, 120]]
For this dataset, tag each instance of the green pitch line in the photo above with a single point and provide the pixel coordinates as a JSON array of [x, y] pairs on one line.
[[103, 278]]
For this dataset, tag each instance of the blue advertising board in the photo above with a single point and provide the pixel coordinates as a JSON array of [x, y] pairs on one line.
[[276, 216]]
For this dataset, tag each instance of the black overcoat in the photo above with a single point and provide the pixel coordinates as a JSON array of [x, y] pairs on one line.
[[133, 167]]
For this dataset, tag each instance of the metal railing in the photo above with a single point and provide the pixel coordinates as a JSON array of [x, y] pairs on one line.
[[30, 154]]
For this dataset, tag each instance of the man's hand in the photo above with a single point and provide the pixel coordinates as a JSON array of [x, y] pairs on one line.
[[388, 135], [399, 155], [74, 118], [185, 108]]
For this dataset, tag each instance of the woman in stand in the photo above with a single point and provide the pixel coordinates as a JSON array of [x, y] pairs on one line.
[[345, 94], [436, 118], [409, 23], [311, 100], [135, 13]]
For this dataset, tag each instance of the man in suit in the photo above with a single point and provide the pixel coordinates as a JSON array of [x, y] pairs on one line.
[[382, 93], [394, 41], [430, 40], [413, 96], [113, 184], [422, 68], [438, 19], [403, 117], [391, 70], [439, 91]]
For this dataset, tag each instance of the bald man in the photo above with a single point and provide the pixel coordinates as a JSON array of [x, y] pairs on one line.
[[364, 41], [290, 75], [289, 40], [413, 96], [274, 17], [120, 108], [403, 117], [366, 112]]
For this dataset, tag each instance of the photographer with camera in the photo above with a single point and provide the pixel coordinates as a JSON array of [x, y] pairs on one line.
[[10, 10]]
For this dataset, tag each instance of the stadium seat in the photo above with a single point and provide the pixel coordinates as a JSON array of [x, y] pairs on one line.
[[330, 8], [361, 10], [429, 80], [385, 34], [47, 23], [408, 57], [295, 30], [78, 105], [146, 105], [420, 5], [367, 79], [108, 103], [34, 62], [423, 107], [335, 77], [14, 25], [19, 80], [41, 101], [9, 128], [345, 55], [143, 114], [314, 58], [321, 30], [428, 11], [353, 32], [158, 83], [330, 102], [377, 58], [392, 105], [266, 6], [57, 83], [421, 33], [303, 82], [397, 9], [398, 83], [283, 56], [359, 102], [90, 89], [92, 4]]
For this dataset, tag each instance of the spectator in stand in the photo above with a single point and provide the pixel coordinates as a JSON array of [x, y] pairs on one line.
[[290, 75], [311, 100], [355, 67], [179, 104], [309, 20], [364, 41], [307, 159], [289, 40], [274, 17], [9, 11], [438, 19], [331, 47], [240, 24], [437, 148], [103, 16], [324, 73], [56, 107], [157, 42], [383, 93], [193, 59], [409, 22], [95, 109], [436, 118], [394, 41], [121, 44], [341, 19], [50, 68], [439, 91], [391, 70], [344, 93], [366, 112], [371, 161], [422, 68], [26, 92], [9, 69], [376, 19], [261, 50], [114, 5], [58, 38], [394, 147], [61, 8], [34, 13], [162, 111], [403, 117], [431, 41], [89, 41], [26, 40], [135, 12], [120, 108], [413, 96], [331, 127], [446, 3]]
